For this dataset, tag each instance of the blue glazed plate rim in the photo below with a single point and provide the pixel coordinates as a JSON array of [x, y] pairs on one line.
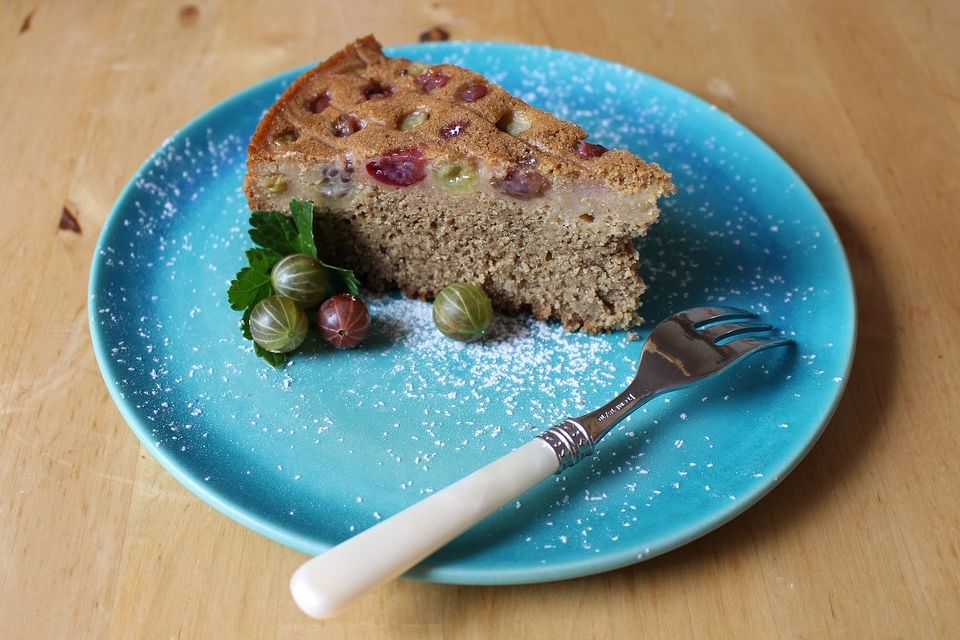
[[454, 574]]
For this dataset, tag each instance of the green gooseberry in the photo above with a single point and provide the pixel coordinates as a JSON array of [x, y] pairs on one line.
[[278, 325], [274, 183], [301, 278], [416, 68], [462, 311], [514, 123], [459, 177], [413, 120]]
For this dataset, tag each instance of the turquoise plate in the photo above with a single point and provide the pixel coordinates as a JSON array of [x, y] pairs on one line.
[[313, 453]]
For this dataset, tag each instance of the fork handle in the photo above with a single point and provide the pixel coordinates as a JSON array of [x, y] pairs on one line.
[[324, 584]]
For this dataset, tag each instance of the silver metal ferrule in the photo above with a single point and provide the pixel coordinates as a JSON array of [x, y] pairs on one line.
[[570, 442]]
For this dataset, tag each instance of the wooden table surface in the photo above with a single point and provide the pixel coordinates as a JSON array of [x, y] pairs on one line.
[[860, 541]]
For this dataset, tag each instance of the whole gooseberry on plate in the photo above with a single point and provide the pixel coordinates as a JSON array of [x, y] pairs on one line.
[[462, 311], [301, 278], [344, 321], [278, 325]]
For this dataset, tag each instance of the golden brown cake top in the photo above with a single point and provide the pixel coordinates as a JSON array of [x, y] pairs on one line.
[[362, 103]]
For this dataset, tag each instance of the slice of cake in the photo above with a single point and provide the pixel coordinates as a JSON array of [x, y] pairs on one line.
[[426, 175]]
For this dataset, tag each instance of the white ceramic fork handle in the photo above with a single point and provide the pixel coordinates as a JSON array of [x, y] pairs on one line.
[[322, 585]]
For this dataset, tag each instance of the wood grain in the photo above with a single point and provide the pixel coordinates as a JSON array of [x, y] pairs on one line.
[[860, 541]]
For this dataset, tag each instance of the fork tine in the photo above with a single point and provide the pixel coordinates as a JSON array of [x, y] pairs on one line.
[[702, 315], [721, 331], [746, 346]]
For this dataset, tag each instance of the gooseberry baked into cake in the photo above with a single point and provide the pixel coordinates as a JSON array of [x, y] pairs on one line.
[[426, 175]]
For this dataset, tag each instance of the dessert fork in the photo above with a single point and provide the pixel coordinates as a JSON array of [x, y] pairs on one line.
[[682, 350]]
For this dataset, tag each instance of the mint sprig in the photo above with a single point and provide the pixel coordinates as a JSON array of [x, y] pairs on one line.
[[285, 234], [275, 360], [302, 215], [347, 281], [263, 259], [277, 236], [251, 285]]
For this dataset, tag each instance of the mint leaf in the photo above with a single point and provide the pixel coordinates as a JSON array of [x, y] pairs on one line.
[[302, 214], [273, 359], [245, 323], [263, 259], [344, 279], [282, 234], [250, 287], [275, 231]]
